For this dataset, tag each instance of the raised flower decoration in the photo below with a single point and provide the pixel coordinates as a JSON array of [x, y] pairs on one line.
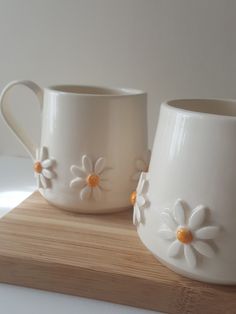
[[139, 199], [89, 179], [42, 168], [141, 166], [188, 237]]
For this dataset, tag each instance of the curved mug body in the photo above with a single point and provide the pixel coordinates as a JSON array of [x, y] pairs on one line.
[[189, 222]]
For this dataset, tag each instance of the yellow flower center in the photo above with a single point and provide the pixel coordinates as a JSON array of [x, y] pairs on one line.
[[184, 235], [93, 180], [133, 197], [38, 167]]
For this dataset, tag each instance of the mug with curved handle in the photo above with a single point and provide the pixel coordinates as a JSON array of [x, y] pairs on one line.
[[93, 143]]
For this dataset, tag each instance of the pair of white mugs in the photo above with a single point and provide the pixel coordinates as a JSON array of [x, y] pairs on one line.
[[94, 148]]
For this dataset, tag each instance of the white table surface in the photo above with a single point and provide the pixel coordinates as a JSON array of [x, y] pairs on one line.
[[16, 183]]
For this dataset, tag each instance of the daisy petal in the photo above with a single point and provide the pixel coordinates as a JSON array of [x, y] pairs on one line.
[[140, 185], [87, 164], [145, 186], [37, 154], [197, 217], [78, 183], [43, 181], [134, 216], [208, 232], [140, 201], [203, 248], [43, 153], [85, 193], [190, 255], [166, 234], [47, 173], [137, 214], [99, 165], [143, 176], [167, 219], [47, 163], [179, 212], [136, 176], [77, 172], [97, 194], [174, 248], [105, 185], [141, 165]]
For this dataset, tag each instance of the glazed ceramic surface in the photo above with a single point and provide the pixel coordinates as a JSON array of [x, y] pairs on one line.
[[185, 208], [93, 145]]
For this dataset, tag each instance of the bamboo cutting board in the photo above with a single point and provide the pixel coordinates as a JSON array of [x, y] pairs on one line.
[[97, 257]]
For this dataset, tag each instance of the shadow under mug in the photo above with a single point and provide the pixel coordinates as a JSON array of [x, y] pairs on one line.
[[93, 144], [188, 219]]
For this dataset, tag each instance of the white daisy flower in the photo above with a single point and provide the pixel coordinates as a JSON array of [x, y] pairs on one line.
[[42, 166], [141, 166], [90, 178], [189, 237], [139, 199]]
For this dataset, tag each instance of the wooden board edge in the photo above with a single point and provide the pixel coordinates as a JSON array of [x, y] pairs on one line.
[[106, 287]]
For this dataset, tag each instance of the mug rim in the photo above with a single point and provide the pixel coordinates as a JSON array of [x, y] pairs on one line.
[[105, 91], [170, 105]]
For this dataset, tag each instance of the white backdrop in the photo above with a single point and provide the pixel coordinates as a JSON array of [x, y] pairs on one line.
[[170, 48]]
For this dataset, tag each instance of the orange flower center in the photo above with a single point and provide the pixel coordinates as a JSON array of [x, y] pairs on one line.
[[133, 197], [184, 235], [38, 167], [93, 180]]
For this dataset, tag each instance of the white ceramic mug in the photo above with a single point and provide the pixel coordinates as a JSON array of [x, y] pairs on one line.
[[185, 208], [91, 140]]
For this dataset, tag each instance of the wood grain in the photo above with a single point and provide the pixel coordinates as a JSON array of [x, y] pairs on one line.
[[97, 257]]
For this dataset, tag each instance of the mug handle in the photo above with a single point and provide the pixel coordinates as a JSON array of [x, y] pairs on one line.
[[10, 119]]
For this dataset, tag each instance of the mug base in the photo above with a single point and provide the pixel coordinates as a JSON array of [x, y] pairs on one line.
[[183, 272], [91, 211], [192, 276]]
